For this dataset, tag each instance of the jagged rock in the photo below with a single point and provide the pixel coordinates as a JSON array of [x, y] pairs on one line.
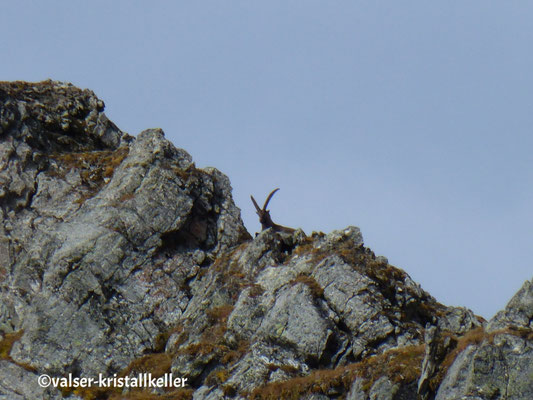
[[429, 364], [118, 255], [311, 303], [437, 348], [499, 364], [518, 313], [383, 389], [101, 231], [109, 255], [17, 383], [356, 391]]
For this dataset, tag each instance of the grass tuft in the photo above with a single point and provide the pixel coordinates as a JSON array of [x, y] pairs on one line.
[[400, 365]]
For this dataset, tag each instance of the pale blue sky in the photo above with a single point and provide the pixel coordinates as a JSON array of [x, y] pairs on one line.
[[411, 120]]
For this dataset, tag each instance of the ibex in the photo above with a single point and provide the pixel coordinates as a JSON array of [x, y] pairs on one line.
[[264, 216]]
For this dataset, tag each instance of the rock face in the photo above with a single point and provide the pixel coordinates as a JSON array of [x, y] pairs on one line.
[[119, 256], [499, 362]]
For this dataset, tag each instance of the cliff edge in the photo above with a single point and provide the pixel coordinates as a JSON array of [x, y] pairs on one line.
[[118, 257]]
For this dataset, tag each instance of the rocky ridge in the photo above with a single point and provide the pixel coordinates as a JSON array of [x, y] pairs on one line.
[[119, 256]]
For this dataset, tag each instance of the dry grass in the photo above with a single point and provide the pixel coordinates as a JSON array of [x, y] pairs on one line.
[[95, 167], [100, 163], [134, 394], [524, 333], [255, 290], [217, 377], [289, 369], [126, 197], [311, 283], [475, 337], [219, 314], [212, 340], [218, 317], [234, 355], [230, 275], [161, 340], [305, 248], [178, 394], [400, 365], [6, 344], [157, 364], [309, 249]]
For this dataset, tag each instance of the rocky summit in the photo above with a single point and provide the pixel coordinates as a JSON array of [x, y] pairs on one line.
[[127, 273]]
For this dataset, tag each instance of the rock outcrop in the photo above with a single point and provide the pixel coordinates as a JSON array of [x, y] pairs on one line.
[[497, 362], [119, 257]]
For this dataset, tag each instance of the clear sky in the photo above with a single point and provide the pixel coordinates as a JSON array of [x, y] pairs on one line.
[[412, 120]]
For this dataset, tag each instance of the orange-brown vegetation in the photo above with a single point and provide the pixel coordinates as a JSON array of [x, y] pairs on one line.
[[126, 197], [310, 282], [162, 339], [157, 364], [400, 365], [94, 167], [217, 377], [212, 340], [96, 393], [6, 344], [177, 394], [476, 337]]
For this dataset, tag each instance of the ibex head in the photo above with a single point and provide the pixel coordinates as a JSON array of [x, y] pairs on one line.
[[264, 215]]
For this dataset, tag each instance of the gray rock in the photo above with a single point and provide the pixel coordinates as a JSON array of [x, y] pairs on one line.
[[518, 312], [501, 366], [101, 233], [383, 389], [294, 320], [102, 256], [356, 300], [356, 391], [430, 362], [115, 251], [16, 383]]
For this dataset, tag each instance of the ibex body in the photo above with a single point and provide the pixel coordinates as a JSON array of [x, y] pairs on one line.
[[264, 216]]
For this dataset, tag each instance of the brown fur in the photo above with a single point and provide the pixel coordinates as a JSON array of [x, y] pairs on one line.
[[264, 216]]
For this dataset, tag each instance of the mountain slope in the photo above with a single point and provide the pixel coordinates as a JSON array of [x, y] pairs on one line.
[[119, 256]]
